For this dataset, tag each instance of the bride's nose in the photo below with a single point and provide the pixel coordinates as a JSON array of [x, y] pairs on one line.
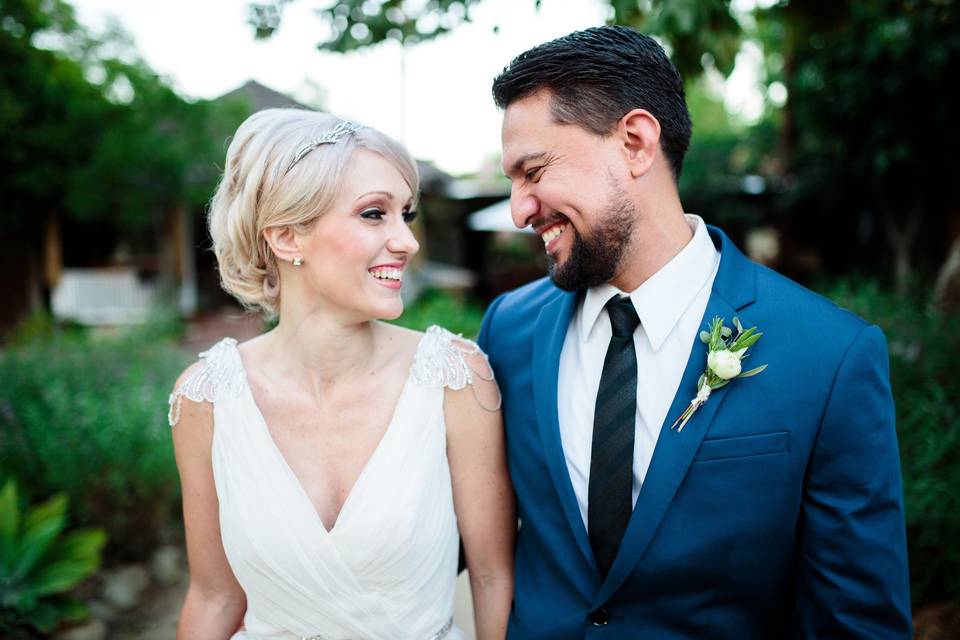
[[402, 240]]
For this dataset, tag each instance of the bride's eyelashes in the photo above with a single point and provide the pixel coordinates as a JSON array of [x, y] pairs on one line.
[[377, 214], [373, 213]]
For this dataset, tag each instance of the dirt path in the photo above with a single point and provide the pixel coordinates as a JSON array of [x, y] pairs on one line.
[[157, 620]]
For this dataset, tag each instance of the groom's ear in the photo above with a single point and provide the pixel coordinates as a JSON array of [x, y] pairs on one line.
[[639, 134], [283, 242]]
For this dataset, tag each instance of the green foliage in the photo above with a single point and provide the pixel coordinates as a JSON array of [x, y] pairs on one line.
[[450, 312], [85, 415], [354, 24], [868, 117], [700, 33], [924, 347], [47, 111], [89, 130], [867, 85], [41, 326], [721, 154], [39, 563], [151, 155], [691, 28]]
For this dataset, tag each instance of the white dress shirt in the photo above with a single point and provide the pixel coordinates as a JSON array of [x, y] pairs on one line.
[[670, 304]]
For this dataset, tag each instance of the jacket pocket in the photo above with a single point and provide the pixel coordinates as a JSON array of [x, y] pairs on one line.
[[743, 446]]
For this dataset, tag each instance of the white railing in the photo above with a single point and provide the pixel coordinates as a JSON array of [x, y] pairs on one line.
[[103, 296]]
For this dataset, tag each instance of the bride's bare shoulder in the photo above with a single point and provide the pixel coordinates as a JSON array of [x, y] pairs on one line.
[[400, 340]]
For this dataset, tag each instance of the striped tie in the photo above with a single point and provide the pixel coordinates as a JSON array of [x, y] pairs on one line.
[[609, 499]]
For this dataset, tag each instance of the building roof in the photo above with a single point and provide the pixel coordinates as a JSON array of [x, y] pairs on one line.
[[261, 97], [432, 179]]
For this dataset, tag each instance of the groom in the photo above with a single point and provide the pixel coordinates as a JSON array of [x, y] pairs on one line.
[[777, 511]]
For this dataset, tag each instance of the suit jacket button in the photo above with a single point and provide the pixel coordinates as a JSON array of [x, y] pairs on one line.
[[599, 618]]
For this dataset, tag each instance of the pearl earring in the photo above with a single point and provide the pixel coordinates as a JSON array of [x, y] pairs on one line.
[[297, 261]]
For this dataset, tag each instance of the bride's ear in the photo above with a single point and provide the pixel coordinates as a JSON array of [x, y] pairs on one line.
[[283, 242]]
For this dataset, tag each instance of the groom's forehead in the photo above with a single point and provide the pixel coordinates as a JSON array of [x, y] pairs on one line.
[[528, 113]]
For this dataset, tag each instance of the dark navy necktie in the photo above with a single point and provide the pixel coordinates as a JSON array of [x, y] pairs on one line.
[[609, 497]]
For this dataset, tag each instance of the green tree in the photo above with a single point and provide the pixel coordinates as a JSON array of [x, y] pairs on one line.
[[691, 27], [89, 131], [152, 155], [867, 125], [48, 113]]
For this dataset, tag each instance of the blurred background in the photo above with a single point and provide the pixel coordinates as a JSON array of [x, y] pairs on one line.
[[825, 143]]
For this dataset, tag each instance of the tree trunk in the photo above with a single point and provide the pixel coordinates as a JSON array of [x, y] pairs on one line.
[[946, 290], [901, 238]]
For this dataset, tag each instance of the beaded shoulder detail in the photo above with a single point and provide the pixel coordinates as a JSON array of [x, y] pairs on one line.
[[441, 361], [219, 376]]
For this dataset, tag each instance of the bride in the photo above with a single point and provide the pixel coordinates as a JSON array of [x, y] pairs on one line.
[[329, 465]]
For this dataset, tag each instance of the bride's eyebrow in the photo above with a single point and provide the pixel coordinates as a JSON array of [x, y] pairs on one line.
[[385, 194]]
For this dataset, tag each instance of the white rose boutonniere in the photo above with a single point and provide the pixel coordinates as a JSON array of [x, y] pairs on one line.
[[726, 351]]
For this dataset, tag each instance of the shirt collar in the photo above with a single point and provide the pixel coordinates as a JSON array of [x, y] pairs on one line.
[[662, 299]]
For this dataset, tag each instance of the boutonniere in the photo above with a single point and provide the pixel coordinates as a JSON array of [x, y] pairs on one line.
[[725, 352]]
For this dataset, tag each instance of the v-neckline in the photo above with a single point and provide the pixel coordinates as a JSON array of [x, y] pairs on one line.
[[366, 465]]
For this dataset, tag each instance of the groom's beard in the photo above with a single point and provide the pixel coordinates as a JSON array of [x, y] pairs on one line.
[[595, 260]]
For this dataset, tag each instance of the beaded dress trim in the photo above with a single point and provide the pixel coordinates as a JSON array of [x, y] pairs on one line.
[[217, 378], [441, 362]]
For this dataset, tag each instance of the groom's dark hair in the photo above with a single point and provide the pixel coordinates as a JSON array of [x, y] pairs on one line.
[[597, 75]]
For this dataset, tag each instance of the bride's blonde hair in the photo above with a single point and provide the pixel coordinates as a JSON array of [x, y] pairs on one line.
[[264, 185]]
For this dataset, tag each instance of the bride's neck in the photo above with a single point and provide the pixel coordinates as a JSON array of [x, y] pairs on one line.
[[322, 352]]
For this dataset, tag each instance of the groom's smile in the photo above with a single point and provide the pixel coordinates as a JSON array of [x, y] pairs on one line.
[[551, 233]]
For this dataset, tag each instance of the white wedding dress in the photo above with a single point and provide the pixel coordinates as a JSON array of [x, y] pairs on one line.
[[387, 568]]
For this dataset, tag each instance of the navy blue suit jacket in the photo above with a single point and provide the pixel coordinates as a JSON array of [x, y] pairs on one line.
[[777, 512]]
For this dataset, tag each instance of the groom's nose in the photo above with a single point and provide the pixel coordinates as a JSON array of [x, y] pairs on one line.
[[523, 207]]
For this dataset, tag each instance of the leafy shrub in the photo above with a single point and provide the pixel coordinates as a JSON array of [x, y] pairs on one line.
[[85, 416], [437, 307], [924, 349], [38, 565]]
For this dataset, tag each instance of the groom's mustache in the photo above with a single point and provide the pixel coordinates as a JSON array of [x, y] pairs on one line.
[[542, 222]]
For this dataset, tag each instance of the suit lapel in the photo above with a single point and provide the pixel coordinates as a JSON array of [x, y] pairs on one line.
[[548, 341], [734, 287]]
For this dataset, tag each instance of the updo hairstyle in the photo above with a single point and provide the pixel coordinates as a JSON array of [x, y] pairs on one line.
[[262, 187]]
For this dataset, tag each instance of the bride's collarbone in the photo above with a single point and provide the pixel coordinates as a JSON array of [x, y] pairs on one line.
[[350, 415], [354, 400], [339, 430]]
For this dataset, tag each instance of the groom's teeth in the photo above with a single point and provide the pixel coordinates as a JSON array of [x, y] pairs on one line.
[[552, 233]]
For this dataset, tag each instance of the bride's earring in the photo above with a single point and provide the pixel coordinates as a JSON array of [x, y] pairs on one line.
[[297, 261]]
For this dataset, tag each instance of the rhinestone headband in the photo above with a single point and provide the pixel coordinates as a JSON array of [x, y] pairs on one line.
[[332, 136]]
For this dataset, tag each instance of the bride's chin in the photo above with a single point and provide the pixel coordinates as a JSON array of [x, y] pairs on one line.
[[393, 313], [381, 309]]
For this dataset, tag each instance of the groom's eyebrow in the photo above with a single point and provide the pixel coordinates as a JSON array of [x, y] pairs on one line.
[[517, 166]]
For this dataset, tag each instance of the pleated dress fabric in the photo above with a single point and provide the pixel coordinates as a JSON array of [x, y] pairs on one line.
[[387, 568]]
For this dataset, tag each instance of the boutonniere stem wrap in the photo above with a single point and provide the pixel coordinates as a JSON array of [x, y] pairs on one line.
[[726, 351]]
